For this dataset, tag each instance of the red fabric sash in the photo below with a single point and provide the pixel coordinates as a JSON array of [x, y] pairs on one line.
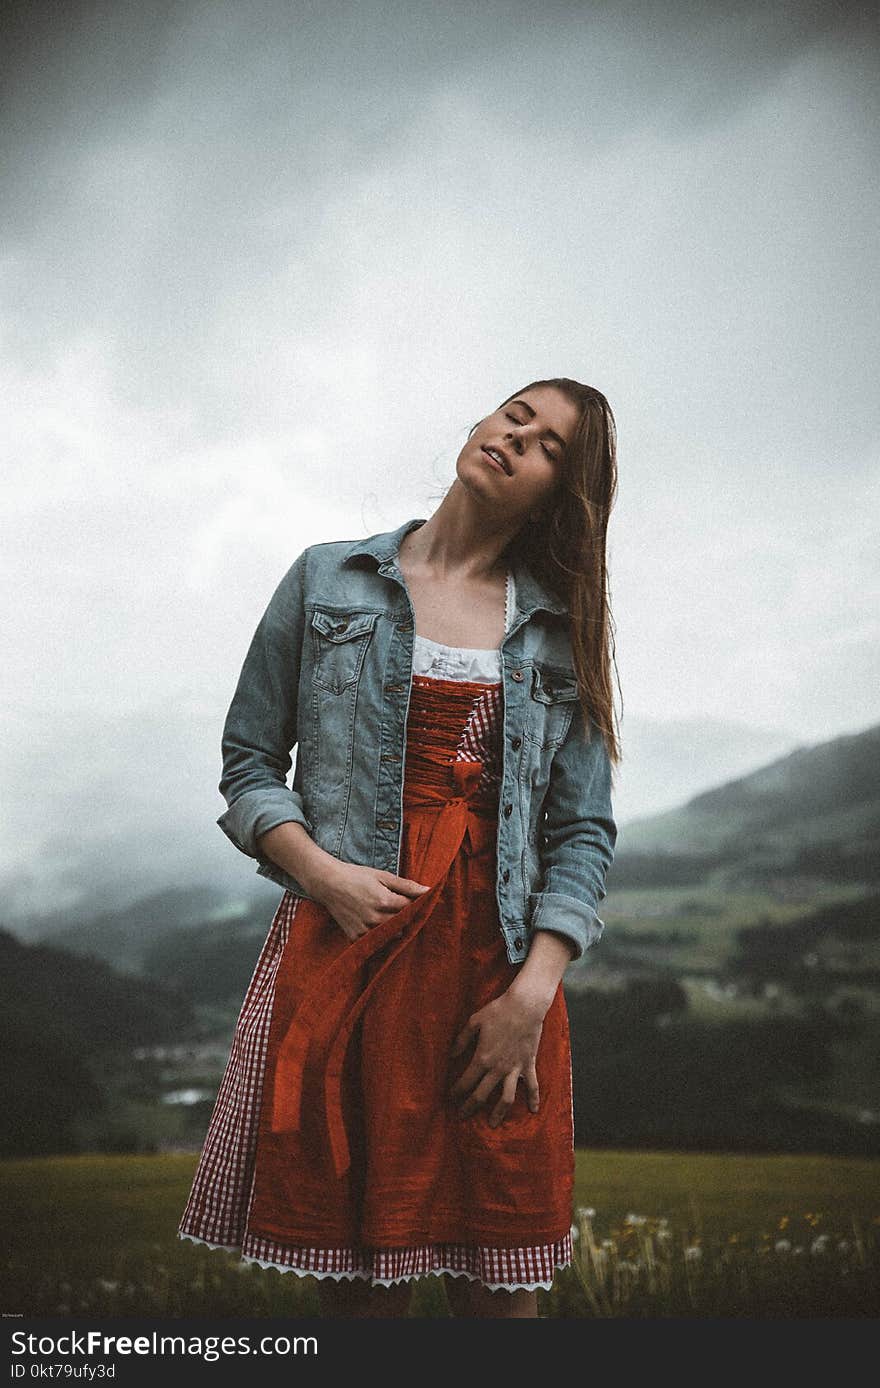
[[323, 1024]]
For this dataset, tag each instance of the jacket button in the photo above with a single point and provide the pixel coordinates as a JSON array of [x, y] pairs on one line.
[[517, 675], [508, 811], [516, 744], [341, 626], [518, 944]]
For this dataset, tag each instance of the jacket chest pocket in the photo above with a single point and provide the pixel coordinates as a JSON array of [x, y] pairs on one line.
[[553, 696], [339, 644]]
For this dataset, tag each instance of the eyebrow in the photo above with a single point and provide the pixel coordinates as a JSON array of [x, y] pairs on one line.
[[552, 432]]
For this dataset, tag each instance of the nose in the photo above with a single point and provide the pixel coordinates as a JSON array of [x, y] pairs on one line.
[[515, 439]]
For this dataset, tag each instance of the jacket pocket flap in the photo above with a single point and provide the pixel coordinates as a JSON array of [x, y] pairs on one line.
[[336, 626], [551, 686]]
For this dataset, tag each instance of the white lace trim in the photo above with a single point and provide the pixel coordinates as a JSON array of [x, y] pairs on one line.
[[405, 1277], [366, 1276], [476, 663]]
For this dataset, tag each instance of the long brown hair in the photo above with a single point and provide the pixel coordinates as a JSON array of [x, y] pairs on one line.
[[565, 549]]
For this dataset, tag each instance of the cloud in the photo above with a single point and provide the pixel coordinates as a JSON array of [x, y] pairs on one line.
[[262, 267]]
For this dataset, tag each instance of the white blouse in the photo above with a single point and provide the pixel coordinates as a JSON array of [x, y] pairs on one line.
[[474, 663]]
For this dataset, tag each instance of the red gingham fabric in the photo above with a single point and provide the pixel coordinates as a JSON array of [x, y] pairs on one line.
[[480, 741], [219, 1202], [508, 1269]]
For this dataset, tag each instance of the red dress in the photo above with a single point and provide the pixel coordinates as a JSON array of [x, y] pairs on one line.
[[334, 1148]]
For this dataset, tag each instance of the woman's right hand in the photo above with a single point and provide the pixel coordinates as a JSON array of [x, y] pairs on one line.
[[359, 897]]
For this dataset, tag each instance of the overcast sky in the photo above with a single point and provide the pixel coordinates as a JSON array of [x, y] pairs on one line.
[[262, 267]]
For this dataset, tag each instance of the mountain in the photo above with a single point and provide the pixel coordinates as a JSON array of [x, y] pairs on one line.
[[126, 937], [814, 813], [66, 1024]]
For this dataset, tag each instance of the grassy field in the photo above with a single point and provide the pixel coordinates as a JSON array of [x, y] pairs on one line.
[[708, 917], [657, 1234]]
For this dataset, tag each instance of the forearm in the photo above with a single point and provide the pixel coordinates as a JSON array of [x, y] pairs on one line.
[[293, 849], [261, 725], [538, 980]]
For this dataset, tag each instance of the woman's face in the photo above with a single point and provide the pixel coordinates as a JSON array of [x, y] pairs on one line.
[[529, 436]]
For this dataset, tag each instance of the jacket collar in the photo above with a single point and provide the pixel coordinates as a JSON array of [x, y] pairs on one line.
[[531, 594]]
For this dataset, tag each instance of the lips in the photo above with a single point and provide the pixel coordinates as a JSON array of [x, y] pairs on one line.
[[500, 458]]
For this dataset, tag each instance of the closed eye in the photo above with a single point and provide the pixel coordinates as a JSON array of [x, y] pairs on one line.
[[554, 457]]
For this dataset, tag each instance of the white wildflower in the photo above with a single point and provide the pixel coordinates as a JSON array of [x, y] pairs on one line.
[[782, 1245], [693, 1253]]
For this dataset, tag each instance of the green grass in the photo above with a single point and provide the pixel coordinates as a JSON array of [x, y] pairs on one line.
[[713, 911], [97, 1235]]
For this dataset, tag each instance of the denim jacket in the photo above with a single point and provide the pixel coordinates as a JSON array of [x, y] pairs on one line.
[[329, 672]]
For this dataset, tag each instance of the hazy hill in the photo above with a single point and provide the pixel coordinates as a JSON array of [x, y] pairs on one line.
[[128, 936], [813, 813], [63, 1021]]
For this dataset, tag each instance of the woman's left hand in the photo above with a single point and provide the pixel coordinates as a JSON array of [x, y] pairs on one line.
[[508, 1033]]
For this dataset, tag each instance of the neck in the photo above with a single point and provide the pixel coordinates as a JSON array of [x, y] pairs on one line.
[[455, 542]]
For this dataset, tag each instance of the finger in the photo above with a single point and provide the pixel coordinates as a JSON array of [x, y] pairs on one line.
[[391, 905], [466, 1081], [508, 1094], [533, 1093], [405, 886], [487, 1086], [476, 1073], [394, 902]]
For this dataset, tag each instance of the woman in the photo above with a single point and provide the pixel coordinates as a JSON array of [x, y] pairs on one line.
[[398, 1097]]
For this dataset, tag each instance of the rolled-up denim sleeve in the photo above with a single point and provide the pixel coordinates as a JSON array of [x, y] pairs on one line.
[[260, 730], [579, 834]]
